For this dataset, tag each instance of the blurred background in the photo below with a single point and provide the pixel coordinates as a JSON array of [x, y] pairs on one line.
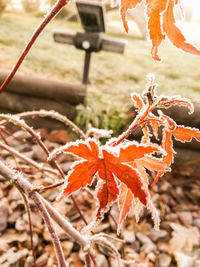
[[112, 77]]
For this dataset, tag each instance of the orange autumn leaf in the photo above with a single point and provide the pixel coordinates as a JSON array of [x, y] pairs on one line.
[[125, 5], [168, 159], [185, 134], [125, 202], [126, 197], [154, 10], [110, 164], [161, 23], [173, 32], [107, 193]]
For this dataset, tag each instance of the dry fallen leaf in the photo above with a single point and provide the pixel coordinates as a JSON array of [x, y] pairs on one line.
[[184, 238]]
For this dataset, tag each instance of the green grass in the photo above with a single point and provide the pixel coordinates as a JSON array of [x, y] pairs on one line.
[[112, 76]]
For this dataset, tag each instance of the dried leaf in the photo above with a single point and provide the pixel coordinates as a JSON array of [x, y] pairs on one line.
[[184, 238]]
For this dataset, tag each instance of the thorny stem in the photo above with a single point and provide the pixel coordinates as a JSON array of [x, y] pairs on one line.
[[28, 210], [52, 13]]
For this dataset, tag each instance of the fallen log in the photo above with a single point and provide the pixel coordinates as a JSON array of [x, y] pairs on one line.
[[16, 103], [44, 87]]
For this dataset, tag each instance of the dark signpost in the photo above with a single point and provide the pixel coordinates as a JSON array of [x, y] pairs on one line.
[[91, 40]]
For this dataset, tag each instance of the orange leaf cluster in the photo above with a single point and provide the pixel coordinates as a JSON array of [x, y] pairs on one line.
[[161, 23], [120, 166]]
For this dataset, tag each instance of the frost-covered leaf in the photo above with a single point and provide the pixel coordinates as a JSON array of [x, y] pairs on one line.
[[125, 5], [154, 10], [161, 23], [185, 134], [174, 33], [126, 198], [110, 164]]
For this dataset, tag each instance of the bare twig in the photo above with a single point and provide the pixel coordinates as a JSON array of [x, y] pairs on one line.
[[28, 160], [55, 115], [24, 185], [87, 260], [21, 123], [54, 237], [28, 210], [20, 182], [64, 224], [51, 14]]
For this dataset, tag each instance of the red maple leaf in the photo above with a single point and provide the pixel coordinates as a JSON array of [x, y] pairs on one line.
[[110, 164], [126, 197]]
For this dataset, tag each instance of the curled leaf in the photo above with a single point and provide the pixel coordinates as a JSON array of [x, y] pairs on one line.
[[156, 34], [173, 32], [125, 5], [185, 134]]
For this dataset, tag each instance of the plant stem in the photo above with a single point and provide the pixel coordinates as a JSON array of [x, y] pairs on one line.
[[28, 160], [54, 237], [55, 115], [22, 124], [24, 185], [52, 13], [28, 210], [136, 122]]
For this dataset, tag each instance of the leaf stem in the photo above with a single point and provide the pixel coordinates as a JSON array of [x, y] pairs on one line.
[[136, 122]]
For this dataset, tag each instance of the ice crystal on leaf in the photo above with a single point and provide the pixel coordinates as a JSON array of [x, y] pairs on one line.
[[113, 165], [161, 23], [121, 165]]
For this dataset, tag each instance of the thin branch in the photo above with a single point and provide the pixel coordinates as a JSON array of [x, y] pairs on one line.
[[136, 122], [67, 227], [54, 237], [24, 185], [55, 115], [87, 260], [28, 160], [22, 124], [52, 13], [17, 179], [28, 210], [64, 224]]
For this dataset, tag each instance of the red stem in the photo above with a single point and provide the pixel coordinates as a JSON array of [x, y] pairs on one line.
[[52, 13], [137, 121]]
